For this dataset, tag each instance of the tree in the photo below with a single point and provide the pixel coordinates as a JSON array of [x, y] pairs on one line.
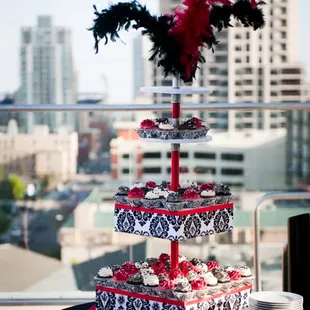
[[18, 187], [6, 191], [4, 222]]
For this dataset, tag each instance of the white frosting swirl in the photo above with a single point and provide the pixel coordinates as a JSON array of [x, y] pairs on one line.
[[105, 272], [150, 280], [207, 193], [178, 280], [160, 192], [166, 126], [202, 267], [146, 271], [210, 278], [152, 195], [141, 265], [192, 276], [137, 184], [244, 271], [188, 184]]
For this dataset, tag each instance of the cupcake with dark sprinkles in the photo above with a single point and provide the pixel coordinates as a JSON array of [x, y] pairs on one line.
[[121, 196], [174, 202], [223, 194]]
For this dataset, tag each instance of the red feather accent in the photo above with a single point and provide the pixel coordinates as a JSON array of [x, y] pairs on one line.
[[192, 27]]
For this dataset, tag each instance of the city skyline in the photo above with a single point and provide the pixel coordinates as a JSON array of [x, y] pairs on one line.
[[112, 58]]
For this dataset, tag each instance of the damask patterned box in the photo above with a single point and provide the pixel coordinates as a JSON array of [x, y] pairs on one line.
[[114, 299], [174, 226]]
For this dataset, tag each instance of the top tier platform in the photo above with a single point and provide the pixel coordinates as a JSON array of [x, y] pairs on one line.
[[176, 91]]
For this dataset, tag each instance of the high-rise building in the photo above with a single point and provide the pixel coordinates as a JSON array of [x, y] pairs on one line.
[[248, 66], [46, 72]]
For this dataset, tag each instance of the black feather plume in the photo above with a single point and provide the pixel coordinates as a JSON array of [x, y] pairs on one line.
[[220, 17]]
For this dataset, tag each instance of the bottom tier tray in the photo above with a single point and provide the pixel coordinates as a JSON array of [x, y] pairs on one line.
[[111, 298]]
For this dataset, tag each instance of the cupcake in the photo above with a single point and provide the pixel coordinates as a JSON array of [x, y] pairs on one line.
[[192, 276], [158, 267], [186, 267], [135, 197], [199, 287], [135, 282], [147, 129], [150, 184], [188, 184], [164, 257], [152, 200], [200, 124], [174, 202], [167, 130], [120, 277], [246, 275], [146, 271], [151, 260], [210, 279], [212, 265], [202, 267], [188, 130], [162, 192], [192, 199], [235, 278], [105, 275], [175, 274], [116, 267], [195, 261], [141, 265], [121, 195], [184, 292], [162, 277], [223, 194], [229, 268], [165, 289], [150, 284], [207, 194], [130, 268], [223, 278]]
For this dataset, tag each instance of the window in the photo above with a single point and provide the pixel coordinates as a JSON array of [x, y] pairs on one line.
[[201, 155], [154, 170], [182, 155], [182, 170], [232, 157], [231, 171], [125, 171], [151, 155], [126, 156], [204, 170]]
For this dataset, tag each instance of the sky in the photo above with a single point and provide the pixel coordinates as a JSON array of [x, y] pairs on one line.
[[114, 60]]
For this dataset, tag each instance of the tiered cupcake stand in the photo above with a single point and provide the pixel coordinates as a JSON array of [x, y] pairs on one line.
[[175, 227]]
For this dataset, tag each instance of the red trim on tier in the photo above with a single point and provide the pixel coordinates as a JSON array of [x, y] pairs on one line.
[[177, 213], [170, 301]]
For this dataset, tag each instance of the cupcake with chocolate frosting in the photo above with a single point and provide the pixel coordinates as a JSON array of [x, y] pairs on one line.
[[184, 292], [121, 196], [174, 202], [135, 283], [223, 194]]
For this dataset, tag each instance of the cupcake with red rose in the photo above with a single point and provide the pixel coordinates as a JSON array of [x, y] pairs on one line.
[[212, 265], [166, 130], [147, 129], [120, 278], [223, 194], [207, 194], [121, 196], [164, 257], [135, 197], [150, 185], [130, 268], [152, 200], [165, 289], [235, 278], [199, 287], [192, 199], [158, 267], [174, 202]]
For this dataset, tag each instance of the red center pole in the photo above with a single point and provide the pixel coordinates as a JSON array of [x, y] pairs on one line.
[[175, 168]]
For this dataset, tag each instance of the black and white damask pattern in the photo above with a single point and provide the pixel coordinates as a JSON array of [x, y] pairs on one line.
[[174, 228], [111, 301]]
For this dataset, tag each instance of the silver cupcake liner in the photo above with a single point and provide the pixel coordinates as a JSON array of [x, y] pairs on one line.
[[225, 287], [193, 134], [135, 203], [152, 203], [236, 284], [134, 288], [150, 290], [193, 204], [247, 280], [174, 206], [206, 202], [148, 133], [199, 294], [168, 134], [121, 285], [166, 294], [184, 296], [121, 199], [213, 290], [107, 282], [223, 199]]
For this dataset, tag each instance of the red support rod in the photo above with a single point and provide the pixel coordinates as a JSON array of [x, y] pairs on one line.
[[175, 168]]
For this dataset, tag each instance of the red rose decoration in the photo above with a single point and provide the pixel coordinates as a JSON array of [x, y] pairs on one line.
[[164, 257], [190, 194], [158, 267], [130, 268], [199, 284], [234, 275], [150, 184], [121, 276], [166, 285], [147, 124], [198, 122], [207, 187], [212, 265], [186, 267], [136, 193], [175, 273]]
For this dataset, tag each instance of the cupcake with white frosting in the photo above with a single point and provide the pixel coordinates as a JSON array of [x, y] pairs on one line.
[[150, 284], [166, 130], [207, 194], [104, 277], [152, 200]]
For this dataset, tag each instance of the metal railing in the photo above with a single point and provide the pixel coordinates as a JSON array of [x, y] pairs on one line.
[[287, 106], [269, 196]]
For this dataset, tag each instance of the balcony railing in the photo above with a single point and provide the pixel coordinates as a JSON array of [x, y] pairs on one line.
[[41, 300]]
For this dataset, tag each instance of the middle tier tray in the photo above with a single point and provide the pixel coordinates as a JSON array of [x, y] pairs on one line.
[[174, 226], [178, 141]]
